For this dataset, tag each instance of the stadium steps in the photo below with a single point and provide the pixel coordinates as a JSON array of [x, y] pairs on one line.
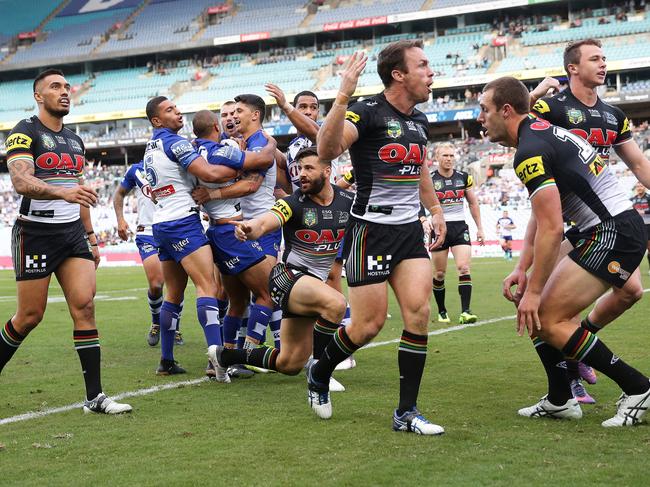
[[427, 5], [85, 86], [53, 14], [125, 25], [323, 75], [306, 21]]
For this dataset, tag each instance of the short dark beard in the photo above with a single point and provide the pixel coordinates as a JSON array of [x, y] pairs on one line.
[[316, 186], [56, 113]]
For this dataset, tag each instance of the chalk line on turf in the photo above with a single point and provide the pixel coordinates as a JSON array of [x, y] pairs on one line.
[[176, 385]]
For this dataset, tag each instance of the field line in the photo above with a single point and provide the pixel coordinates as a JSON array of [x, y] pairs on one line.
[[175, 385]]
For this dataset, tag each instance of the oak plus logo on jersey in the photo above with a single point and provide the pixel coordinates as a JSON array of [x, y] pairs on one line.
[[324, 241], [395, 153], [379, 265], [35, 263]]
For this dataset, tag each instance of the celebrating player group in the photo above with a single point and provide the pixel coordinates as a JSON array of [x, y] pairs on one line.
[[263, 235]]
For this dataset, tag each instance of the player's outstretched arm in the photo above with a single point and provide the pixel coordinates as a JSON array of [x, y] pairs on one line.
[[262, 159], [430, 201], [475, 211], [546, 87], [547, 210], [303, 123], [630, 153], [255, 228], [118, 206], [335, 135]]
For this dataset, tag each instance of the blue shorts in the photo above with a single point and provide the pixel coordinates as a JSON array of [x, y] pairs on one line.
[[231, 255], [147, 246], [271, 243], [339, 255], [507, 237], [179, 238]]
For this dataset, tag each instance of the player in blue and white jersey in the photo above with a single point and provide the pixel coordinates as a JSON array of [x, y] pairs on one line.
[[147, 247], [172, 165], [505, 226], [243, 265]]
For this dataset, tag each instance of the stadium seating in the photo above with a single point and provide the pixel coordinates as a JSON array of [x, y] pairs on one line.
[[17, 16], [588, 29], [360, 10]]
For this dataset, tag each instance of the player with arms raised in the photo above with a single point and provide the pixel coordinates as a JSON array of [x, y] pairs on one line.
[[387, 140]]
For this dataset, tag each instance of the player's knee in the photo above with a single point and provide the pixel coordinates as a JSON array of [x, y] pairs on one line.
[[289, 365], [463, 270], [156, 288], [439, 275], [334, 306], [26, 320], [631, 295], [85, 309]]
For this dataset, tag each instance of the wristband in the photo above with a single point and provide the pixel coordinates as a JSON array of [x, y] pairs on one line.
[[94, 245], [435, 209], [92, 232], [339, 95]]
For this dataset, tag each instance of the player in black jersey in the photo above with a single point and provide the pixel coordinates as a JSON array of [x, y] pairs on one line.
[[53, 232], [567, 178], [453, 187], [641, 203], [580, 110], [387, 140], [313, 221]]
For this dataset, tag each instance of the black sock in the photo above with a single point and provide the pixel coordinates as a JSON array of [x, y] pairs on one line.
[[263, 357], [649, 259], [323, 332], [572, 371], [411, 356], [439, 294], [585, 347], [465, 291], [559, 391], [337, 350], [589, 325], [10, 340], [86, 343]]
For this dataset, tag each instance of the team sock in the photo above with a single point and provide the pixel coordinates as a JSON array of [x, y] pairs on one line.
[[241, 336], [648, 258], [337, 350], [231, 325], [411, 357], [274, 325], [439, 294], [86, 343], [223, 308], [589, 325], [323, 332], [584, 346], [10, 340], [155, 303], [258, 321], [263, 357], [169, 318], [559, 390], [207, 311], [465, 291]]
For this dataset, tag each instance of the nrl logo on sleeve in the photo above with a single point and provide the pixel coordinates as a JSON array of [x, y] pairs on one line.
[[309, 217], [575, 116], [48, 141], [393, 128], [75, 145]]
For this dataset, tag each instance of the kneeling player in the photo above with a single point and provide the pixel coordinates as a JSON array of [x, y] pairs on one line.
[[313, 220]]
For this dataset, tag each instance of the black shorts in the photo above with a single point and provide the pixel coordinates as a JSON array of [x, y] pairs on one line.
[[373, 250], [457, 234], [38, 249], [281, 282], [611, 250], [647, 230]]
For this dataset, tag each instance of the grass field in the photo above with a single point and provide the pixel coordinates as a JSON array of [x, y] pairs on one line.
[[261, 431]]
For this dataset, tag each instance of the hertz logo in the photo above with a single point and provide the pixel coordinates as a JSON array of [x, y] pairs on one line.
[[18, 141], [352, 117], [530, 169]]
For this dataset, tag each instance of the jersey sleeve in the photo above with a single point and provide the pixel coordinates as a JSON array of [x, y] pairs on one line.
[[19, 143], [227, 155], [284, 208], [180, 149], [469, 181], [255, 144], [623, 130], [545, 108], [348, 177], [534, 169], [129, 180], [359, 115]]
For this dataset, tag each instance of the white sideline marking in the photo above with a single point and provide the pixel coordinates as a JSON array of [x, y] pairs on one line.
[[117, 397], [176, 385]]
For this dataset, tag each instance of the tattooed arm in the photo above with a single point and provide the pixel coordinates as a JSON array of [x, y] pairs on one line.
[[26, 184]]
